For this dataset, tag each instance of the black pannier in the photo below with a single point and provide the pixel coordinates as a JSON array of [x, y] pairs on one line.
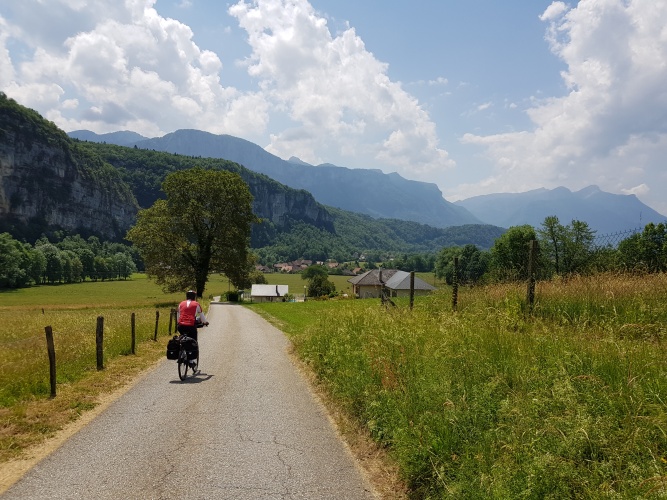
[[191, 347], [173, 347]]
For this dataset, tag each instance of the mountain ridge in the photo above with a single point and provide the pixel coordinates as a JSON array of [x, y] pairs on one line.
[[371, 192], [604, 212], [366, 191]]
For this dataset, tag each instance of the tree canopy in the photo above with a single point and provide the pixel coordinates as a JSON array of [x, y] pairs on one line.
[[473, 264], [202, 226], [509, 255], [566, 249]]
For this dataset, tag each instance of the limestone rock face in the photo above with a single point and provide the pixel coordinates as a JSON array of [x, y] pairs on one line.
[[48, 180], [44, 179], [278, 205]]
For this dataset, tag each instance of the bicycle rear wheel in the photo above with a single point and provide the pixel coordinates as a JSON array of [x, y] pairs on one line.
[[182, 364]]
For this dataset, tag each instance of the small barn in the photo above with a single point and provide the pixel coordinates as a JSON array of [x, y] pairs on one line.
[[369, 284], [268, 293]]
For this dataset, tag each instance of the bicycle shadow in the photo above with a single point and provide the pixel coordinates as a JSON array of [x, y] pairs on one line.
[[197, 379]]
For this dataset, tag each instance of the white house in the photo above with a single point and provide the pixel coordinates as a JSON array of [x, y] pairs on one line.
[[268, 293]]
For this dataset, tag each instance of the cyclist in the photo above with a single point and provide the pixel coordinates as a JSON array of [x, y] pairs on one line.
[[189, 315]]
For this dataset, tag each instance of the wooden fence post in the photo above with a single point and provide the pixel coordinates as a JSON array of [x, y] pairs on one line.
[[52, 359], [532, 261], [455, 285], [134, 333], [171, 319], [412, 289], [99, 342], [157, 320]]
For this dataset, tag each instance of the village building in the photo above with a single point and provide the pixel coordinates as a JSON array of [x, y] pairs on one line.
[[369, 284], [268, 293]]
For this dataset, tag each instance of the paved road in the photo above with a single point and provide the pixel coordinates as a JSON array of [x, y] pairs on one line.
[[247, 427]]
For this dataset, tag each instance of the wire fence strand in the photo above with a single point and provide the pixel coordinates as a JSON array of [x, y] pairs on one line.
[[613, 239]]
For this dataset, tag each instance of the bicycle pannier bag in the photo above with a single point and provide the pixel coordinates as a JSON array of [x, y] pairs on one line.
[[192, 348], [172, 348]]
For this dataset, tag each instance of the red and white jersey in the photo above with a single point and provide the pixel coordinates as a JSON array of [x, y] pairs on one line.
[[188, 311]]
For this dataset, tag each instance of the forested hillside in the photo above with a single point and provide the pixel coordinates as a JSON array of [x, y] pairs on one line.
[[53, 185], [332, 233]]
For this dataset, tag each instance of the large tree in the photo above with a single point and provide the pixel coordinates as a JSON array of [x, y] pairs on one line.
[[202, 226], [509, 254], [646, 250], [569, 249], [552, 239], [319, 284], [473, 264]]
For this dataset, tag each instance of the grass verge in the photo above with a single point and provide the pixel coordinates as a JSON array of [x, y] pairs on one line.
[[489, 402]]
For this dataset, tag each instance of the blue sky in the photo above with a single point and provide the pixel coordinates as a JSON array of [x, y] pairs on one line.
[[477, 96]]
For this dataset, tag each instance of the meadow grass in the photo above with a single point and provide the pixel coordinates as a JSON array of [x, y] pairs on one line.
[[27, 414], [491, 402], [295, 283]]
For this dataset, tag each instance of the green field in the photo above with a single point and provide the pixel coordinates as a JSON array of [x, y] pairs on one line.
[[72, 311], [296, 284], [485, 402], [489, 402]]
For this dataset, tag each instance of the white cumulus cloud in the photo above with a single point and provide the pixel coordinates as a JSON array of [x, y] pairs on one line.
[[108, 66], [610, 127], [336, 94]]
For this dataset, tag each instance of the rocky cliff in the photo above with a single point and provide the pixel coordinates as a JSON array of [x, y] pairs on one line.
[[50, 181], [278, 205], [46, 181]]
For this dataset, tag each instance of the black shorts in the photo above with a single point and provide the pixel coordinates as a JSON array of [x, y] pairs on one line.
[[190, 331]]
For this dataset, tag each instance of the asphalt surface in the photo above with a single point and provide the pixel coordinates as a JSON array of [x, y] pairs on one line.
[[246, 427]]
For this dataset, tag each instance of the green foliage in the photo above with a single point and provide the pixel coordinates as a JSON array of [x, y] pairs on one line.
[[314, 271], [68, 261], [566, 249], [645, 251], [232, 296], [257, 278], [202, 227], [378, 239], [15, 262], [509, 255], [473, 264], [145, 170], [419, 263], [320, 286]]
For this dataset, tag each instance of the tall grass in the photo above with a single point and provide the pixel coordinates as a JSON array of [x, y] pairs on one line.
[[489, 402], [24, 366], [72, 311]]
